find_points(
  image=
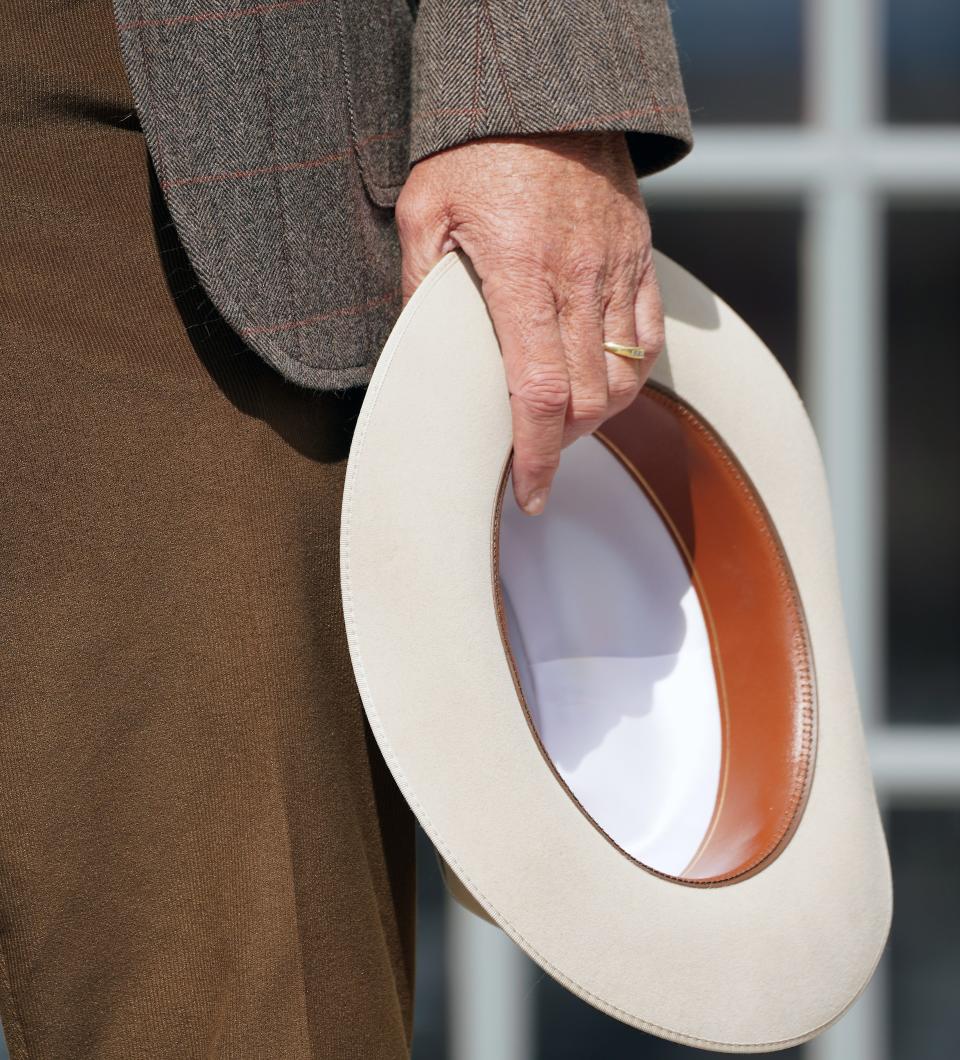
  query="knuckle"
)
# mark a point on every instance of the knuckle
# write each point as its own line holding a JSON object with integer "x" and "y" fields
{"x": 628, "y": 258}
{"x": 643, "y": 244}
{"x": 648, "y": 282}
{"x": 516, "y": 257}
{"x": 585, "y": 269}
{"x": 587, "y": 410}
{"x": 653, "y": 340}
{"x": 521, "y": 254}
{"x": 517, "y": 290}
{"x": 414, "y": 211}
{"x": 544, "y": 393}
{"x": 623, "y": 389}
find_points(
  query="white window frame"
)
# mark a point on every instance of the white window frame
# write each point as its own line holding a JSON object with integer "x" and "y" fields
{"x": 843, "y": 164}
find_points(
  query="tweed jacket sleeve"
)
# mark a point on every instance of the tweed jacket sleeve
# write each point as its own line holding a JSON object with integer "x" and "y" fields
{"x": 519, "y": 67}
{"x": 281, "y": 133}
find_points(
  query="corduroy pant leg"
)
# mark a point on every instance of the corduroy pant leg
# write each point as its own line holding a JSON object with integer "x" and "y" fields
{"x": 202, "y": 853}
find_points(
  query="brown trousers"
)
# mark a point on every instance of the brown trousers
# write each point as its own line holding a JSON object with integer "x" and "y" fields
{"x": 201, "y": 851}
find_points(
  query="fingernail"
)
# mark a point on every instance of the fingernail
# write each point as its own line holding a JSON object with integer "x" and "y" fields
{"x": 536, "y": 502}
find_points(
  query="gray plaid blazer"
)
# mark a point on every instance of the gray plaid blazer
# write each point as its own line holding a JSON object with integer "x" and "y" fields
{"x": 281, "y": 132}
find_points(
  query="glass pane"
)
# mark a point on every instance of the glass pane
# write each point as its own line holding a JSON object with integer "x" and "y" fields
{"x": 741, "y": 59}
{"x": 749, "y": 255}
{"x": 923, "y": 60}
{"x": 430, "y": 998}
{"x": 925, "y": 938}
{"x": 922, "y": 465}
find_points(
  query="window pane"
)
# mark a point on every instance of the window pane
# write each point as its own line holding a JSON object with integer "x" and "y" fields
{"x": 430, "y": 997}
{"x": 922, "y": 466}
{"x": 925, "y": 938}
{"x": 923, "y": 60}
{"x": 741, "y": 59}
{"x": 749, "y": 256}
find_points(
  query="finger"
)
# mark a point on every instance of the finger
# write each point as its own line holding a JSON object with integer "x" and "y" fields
{"x": 524, "y": 316}
{"x": 624, "y": 376}
{"x": 648, "y": 314}
{"x": 424, "y": 232}
{"x": 581, "y": 330}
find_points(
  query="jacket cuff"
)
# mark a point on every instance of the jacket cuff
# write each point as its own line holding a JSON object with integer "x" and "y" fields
{"x": 525, "y": 67}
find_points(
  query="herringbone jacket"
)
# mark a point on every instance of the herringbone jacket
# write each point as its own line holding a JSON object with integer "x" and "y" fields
{"x": 281, "y": 132}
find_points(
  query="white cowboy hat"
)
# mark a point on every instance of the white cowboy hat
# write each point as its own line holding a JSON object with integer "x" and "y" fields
{"x": 629, "y": 725}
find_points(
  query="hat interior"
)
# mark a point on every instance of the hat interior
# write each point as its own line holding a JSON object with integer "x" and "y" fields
{"x": 659, "y": 645}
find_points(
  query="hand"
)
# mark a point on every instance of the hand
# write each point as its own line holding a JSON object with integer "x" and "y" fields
{"x": 557, "y": 231}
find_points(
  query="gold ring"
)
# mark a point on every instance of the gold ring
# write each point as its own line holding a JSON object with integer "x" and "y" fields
{"x": 634, "y": 353}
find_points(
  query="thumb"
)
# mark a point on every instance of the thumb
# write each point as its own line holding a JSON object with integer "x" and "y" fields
{"x": 424, "y": 232}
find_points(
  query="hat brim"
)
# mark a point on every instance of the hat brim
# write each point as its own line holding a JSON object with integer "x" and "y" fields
{"x": 768, "y": 958}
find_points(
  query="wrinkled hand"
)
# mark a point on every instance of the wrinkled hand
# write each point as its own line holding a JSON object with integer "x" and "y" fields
{"x": 556, "y": 230}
